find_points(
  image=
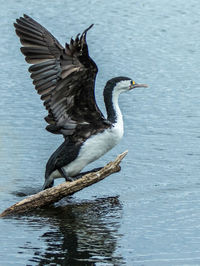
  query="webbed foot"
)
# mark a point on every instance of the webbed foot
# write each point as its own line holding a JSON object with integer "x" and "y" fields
{"x": 84, "y": 173}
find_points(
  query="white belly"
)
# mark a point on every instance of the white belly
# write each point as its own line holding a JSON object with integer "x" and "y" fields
{"x": 94, "y": 148}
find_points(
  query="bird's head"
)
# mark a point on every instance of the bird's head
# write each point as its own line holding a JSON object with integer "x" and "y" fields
{"x": 121, "y": 84}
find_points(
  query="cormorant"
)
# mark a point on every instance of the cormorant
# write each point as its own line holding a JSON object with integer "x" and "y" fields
{"x": 65, "y": 79}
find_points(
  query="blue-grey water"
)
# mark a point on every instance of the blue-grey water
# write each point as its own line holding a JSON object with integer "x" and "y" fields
{"x": 149, "y": 213}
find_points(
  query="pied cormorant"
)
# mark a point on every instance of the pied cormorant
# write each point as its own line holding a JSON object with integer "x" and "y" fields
{"x": 65, "y": 79}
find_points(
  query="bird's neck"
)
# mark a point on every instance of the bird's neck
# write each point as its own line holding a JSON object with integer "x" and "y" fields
{"x": 114, "y": 114}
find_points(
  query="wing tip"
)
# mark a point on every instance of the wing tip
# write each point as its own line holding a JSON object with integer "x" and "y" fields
{"x": 86, "y": 30}
{"x": 26, "y": 16}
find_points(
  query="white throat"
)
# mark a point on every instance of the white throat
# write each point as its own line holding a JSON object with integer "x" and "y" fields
{"x": 119, "y": 117}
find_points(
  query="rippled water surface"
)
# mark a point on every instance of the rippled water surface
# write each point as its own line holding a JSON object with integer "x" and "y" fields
{"x": 148, "y": 214}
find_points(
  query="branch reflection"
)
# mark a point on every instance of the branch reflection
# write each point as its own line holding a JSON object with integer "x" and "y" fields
{"x": 81, "y": 233}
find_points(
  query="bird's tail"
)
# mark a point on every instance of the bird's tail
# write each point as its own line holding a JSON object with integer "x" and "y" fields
{"x": 48, "y": 183}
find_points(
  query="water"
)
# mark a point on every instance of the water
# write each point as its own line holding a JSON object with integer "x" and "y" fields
{"x": 148, "y": 214}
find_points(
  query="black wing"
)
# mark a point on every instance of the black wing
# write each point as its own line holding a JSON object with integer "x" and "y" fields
{"x": 65, "y": 79}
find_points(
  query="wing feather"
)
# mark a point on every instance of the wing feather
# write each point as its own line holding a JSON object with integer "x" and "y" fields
{"x": 64, "y": 77}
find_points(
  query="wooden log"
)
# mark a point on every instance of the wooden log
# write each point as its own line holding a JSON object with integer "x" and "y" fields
{"x": 56, "y": 193}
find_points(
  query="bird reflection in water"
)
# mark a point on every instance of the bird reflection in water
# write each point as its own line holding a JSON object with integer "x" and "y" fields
{"x": 81, "y": 233}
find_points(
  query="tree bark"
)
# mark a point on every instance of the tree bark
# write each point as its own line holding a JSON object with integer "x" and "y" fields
{"x": 56, "y": 193}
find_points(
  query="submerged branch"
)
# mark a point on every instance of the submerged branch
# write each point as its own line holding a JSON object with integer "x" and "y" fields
{"x": 56, "y": 193}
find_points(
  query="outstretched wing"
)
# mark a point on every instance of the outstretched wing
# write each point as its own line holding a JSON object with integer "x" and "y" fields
{"x": 64, "y": 77}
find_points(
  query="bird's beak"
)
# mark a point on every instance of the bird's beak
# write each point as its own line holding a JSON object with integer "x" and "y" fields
{"x": 138, "y": 86}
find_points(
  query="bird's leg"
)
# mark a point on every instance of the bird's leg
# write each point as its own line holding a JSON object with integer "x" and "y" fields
{"x": 63, "y": 174}
{"x": 84, "y": 173}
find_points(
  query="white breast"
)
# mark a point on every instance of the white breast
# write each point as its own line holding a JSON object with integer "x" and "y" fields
{"x": 95, "y": 147}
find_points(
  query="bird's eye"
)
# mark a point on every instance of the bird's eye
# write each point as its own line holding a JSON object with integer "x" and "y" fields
{"x": 132, "y": 82}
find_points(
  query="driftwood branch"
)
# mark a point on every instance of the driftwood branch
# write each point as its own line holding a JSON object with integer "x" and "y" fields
{"x": 56, "y": 193}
